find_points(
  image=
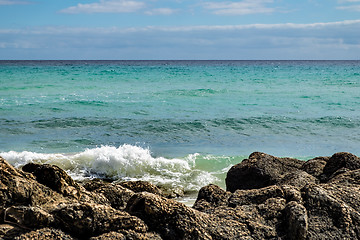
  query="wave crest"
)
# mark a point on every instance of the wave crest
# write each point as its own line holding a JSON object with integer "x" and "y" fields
{"x": 126, "y": 162}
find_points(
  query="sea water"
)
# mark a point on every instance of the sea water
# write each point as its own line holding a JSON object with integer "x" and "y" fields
{"x": 178, "y": 124}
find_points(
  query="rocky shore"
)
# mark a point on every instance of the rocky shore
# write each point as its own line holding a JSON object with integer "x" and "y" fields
{"x": 266, "y": 198}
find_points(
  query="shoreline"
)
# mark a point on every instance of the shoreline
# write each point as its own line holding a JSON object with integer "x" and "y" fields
{"x": 265, "y": 197}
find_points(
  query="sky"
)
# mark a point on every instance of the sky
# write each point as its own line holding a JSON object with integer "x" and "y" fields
{"x": 180, "y": 29}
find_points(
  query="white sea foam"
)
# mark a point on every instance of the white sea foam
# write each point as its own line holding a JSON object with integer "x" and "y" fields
{"x": 126, "y": 162}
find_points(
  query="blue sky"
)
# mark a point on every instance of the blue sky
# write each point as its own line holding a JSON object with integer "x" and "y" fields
{"x": 179, "y": 29}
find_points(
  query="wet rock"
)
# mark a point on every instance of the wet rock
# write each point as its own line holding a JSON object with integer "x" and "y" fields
{"x": 259, "y": 170}
{"x": 174, "y": 220}
{"x": 117, "y": 195}
{"x": 348, "y": 178}
{"x": 110, "y": 235}
{"x": 298, "y": 179}
{"x": 329, "y": 216}
{"x": 296, "y": 221}
{"x": 29, "y": 217}
{"x": 341, "y": 161}
{"x": 315, "y": 166}
{"x": 267, "y": 198}
{"x": 211, "y": 196}
{"x": 20, "y": 188}
{"x": 141, "y": 186}
{"x": 87, "y": 220}
{"x": 91, "y": 185}
{"x": 45, "y": 234}
{"x": 255, "y": 196}
{"x": 54, "y": 177}
{"x": 10, "y": 231}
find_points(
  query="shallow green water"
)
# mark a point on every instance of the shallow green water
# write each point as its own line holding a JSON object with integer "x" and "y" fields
{"x": 206, "y": 114}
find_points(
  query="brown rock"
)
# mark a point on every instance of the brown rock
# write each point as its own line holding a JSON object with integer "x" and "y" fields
{"x": 87, "y": 220}
{"x": 339, "y": 161}
{"x": 174, "y": 220}
{"x": 259, "y": 170}
{"x": 20, "y": 188}
{"x": 10, "y": 231}
{"x": 55, "y": 178}
{"x": 117, "y": 195}
{"x": 141, "y": 186}
{"x": 29, "y": 217}
{"x": 329, "y": 216}
{"x": 211, "y": 196}
{"x": 315, "y": 166}
{"x": 298, "y": 179}
{"x": 348, "y": 178}
{"x": 110, "y": 235}
{"x": 45, "y": 234}
{"x": 255, "y": 196}
{"x": 93, "y": 184}
{"x": 296, "y": 220}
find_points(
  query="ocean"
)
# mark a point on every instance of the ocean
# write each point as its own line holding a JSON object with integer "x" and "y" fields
{"x": 178, "y": 124}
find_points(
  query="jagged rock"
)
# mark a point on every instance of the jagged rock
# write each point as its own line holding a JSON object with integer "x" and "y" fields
{"x": 87, "y": 220}
{"x": 259, "y": 170}
{"x": 93, "y": 184}
{"x": 10, "y": 231}
{"x": 296, "y": 221}
{"x": 141, "y": 186}
{"x": 174, "y": 220}
{"x": 30, "y": 217}
{"x": 117, "y": 195}
{"x": 348, "y": 178}
{"x": 211, "y": 196}
{"x": 128, "y": 235}
{"x": 315, "y": 166}
{"x": 20, "y": 188}
{"x": 341, "y": 161}
{"x": 110, "y": 235}
{"x": 45, "y": 234}
{"x": 329, "y": 216}
{"x": 298, "y": 179}
{"x": 132, "y": 235}
{"x": 54, "y": 177}
{"x": 267, "y": 198}
{"x": 255, "y": 196}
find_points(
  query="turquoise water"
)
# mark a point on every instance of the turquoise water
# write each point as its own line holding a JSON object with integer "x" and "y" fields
{"x": 178, "y": 123}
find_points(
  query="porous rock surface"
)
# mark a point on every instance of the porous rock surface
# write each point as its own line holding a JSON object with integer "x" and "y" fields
{"x": 265, "y": 198}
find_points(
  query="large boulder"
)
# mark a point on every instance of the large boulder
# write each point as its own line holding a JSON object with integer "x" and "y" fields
{"x": 315, "y": 199}
{"x": 116, "y": 195}
{"x": 340, "y": 162}
{"x": 259, "y": 170}
{"x": 174, "y": 220}
{"x": 21, "y": 188}
{"x": 87, "y": 220}
{"x": 54, "y": 177}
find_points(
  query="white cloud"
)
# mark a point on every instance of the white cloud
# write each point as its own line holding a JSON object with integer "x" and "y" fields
{"x": 13, "y": 2}
{"x": 161, "y": 11}
{"x": 349, "y": 5}
{"x": 331, "y": 40}
{"x": 239, "y": 8}
{"x": 355, "y": 8}
{"x": 348, "y": 1}
{"x": 106, "y": 6}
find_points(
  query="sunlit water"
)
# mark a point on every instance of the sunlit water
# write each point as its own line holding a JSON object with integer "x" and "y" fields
{"x": 178, "y": 124}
